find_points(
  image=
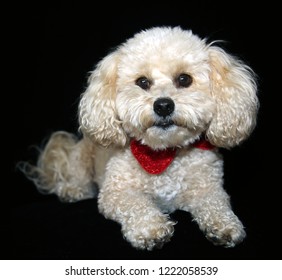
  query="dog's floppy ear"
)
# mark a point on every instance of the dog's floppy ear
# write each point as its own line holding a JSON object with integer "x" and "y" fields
{"x": 233, "y": 86}
{"x": 97, "y": 115}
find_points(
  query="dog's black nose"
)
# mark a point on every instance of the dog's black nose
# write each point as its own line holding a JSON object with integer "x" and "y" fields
{"x": 163, "y": 107}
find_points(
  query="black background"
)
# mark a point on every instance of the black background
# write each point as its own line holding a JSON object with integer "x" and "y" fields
{"x": 52, "y": 50}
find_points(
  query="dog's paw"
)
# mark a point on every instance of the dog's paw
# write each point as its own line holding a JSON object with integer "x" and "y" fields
{"x": 228, "y": 236}
{"x": 70, "y": 193}
{"x": 149, "y": 233}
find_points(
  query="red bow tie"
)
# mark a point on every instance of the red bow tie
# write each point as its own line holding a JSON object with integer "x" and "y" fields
{"x": 156, "y": 162}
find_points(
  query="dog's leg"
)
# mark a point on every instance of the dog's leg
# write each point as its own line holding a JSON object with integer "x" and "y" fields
{"x": 204, "y": 197}
{"x": 65, "y": 167}
{"x": 211, "y": 209}
{"x": 143, "y": 225}
{"x": 216, "y": 219}
{"x": 121, "y": 199}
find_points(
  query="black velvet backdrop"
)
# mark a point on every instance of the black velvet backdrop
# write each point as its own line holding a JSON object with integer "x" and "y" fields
{"x": 54, "y": 48}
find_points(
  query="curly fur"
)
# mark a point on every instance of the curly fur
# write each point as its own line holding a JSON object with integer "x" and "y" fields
{"x": 221, "y": 104}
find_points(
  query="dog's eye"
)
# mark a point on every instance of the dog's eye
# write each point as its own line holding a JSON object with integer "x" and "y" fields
{"x": 143, "y": 82}
{"x": 183, "y": 80}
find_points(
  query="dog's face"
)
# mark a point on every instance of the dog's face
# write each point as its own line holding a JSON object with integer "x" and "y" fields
{"x": 166, "y": 87}
{"x": 163, "y": 95}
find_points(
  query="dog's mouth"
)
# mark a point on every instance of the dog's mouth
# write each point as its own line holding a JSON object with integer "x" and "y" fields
{"x": 164, "y": 123}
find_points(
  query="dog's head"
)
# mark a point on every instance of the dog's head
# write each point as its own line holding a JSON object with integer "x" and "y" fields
{"x": 167, "y": 87}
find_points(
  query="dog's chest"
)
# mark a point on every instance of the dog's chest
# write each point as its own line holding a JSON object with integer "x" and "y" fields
{"x": 164, "y": 191}
{"x": 165, "y": 187}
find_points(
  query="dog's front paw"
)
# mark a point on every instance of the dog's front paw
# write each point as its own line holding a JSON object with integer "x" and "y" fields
{"x": 228, "y": 236}
{"x": 149, "y": 233}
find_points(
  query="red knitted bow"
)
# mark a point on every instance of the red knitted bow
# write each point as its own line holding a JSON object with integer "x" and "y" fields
{"x": 156, "y": 162}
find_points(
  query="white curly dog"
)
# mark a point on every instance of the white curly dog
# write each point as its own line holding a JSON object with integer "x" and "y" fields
{"x": 154, "y": 113}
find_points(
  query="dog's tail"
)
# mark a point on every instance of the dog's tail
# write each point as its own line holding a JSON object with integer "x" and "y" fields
{"x": 65, "y": 167}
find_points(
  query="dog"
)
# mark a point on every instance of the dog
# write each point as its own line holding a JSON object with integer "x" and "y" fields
{"x": 155, "y": 113}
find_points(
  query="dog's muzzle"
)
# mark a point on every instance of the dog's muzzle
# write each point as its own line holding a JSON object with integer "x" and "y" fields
{"x": 164, "y": 107}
